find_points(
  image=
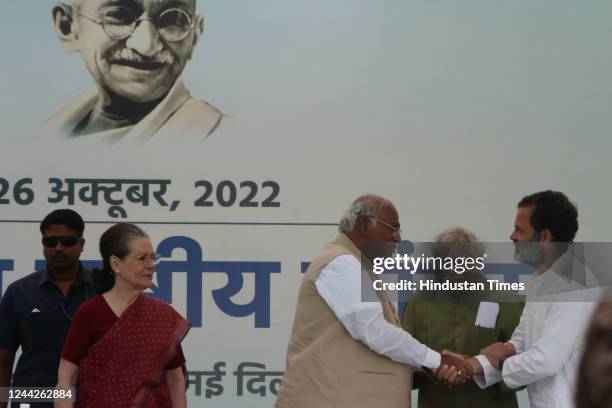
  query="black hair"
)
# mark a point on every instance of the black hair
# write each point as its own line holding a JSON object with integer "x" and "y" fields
{"x": 554, "y": 211}
{"x": 114, "y": 241}
{"x": 66, "y": 217}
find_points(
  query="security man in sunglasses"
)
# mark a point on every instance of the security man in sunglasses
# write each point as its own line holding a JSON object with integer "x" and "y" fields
{"x": 36, "y": 311}
{"x": 135, "y": 50}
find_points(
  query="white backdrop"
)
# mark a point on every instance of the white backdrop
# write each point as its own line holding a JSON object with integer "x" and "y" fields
{"x": 452, "y": 110}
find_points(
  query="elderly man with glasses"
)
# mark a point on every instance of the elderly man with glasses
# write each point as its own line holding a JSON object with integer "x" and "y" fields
{"x": 135, "y": 51}
{"x": 36, "y": 311}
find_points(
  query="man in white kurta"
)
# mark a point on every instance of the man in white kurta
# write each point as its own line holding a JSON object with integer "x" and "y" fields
{"x": 546, "y": 346}
{"x": 547, "y": 341}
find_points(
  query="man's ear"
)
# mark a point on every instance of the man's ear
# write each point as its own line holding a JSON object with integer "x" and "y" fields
{"x": 363, "y": 226}
{"x": 63, "y": 23}
{"x": 546, "y": 235}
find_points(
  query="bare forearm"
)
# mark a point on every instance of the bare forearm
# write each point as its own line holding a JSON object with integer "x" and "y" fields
{"x": 63, "y": 403}
{"x": 176, "y": 386}
{"x": 179, "y": 399}
{"x": 66, "y": 378}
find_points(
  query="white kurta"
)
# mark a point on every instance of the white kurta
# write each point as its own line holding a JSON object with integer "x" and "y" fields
{"x": 548, "y": 339}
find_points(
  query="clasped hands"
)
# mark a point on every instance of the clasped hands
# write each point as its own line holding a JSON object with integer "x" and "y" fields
{"x": 457, "y": 369}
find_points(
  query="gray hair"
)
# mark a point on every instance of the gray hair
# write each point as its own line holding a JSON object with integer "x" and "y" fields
{"x": 458, "y": 235}
{"x": 115, "y": 241}
{"x": 365, "y": 205}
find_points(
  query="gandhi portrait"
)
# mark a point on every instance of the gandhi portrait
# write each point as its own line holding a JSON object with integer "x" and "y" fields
{"x": 136, "y": 51}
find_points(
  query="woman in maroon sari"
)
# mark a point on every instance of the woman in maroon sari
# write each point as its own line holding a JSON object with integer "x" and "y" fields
{"x": 123, "y": 348}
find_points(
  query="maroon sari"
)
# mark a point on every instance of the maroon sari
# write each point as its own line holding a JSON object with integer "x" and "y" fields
{"x": 126, "y": 367}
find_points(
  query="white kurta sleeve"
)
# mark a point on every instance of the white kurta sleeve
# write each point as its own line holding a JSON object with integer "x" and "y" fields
{"x": 339, "y": 284}
{"x": 490, "y": 376}
{"x": 562, "y": 327}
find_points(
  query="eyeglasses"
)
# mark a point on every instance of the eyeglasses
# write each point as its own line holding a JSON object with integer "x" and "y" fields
{"x": 120, "y": 22}
{"x": 67, "y": 241}
{"x": 391, "y": 227}
{"x": 144, "y": 258}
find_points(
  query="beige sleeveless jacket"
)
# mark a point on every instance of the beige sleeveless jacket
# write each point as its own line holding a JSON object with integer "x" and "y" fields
{"x": 325, "y": 366}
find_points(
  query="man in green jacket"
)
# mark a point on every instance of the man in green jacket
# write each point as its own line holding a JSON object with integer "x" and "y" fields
{"x": 446, "y": 321}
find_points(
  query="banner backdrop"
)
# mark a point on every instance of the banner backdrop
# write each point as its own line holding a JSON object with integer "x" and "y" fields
{"x": 454, "y": 111}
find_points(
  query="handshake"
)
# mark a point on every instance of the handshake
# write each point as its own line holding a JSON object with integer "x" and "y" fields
{"x": 457, "y": 369}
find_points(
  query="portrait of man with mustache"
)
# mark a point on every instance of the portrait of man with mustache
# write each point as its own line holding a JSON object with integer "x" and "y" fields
{"x": 136, "y": 51}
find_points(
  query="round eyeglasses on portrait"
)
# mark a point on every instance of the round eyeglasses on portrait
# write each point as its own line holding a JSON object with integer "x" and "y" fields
{"x": 119, "y": 23}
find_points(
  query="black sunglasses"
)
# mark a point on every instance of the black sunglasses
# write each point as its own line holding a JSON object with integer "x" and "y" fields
{"x": 67, "y": 241}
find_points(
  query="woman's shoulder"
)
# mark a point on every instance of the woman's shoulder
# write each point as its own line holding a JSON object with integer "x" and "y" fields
{"x": 159, "y": 308}
{"x": 160, "y": 305}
